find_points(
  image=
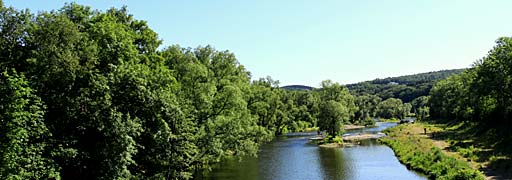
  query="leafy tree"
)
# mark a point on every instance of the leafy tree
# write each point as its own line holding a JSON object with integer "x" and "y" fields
{"x": 14, "y": 41}
{"x": 422, "y": 113}
{"x": 419, "y": 102}
{"x": 366, "y": 107}
{"x": 391, "y": 108}
{"x": 406, "y": 110}
{"x": 331, "y": 117}
{"x": 492, "y": 84}
{"x": 480, "y": 94}
{"x": 212, "y": 94}
{"x": 450, "y": 100}
{"x": 336, "y": 108}
{"x": 23, "y": 134}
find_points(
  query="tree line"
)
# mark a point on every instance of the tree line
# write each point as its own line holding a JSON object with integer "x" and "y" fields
{"x": 91, "y": 95}
{"x": 406, "y": 88}
{"x": 481, "y": 94}
{"x": 87, "y": 94}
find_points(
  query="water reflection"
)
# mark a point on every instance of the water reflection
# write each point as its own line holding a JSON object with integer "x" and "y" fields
{"x": 333, "y": 165}
{"x": 292, "y": 157}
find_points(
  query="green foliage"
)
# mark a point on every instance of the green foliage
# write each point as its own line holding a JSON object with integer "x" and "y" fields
{"x": 23, "y": 134}
{"x": 469, "y": 152}
{"x": 214, "y": 94}
{"x": 420, "y": 107}
{"x": 480, "y": 94}
{"x": 337, "y": 140}
{"x": 13, "y": 38}
{"x": 366, "y": 108}
{"x": 449, "y": 98}
{"x": 421, "y": 155}
{"x": 405, "y": 88}
{"x": 336, "y": 108}
{"x": 392, "y": 108}
{"x": 332, "y": 115}
{"x": 423, "y": 113}
{"x": 368, "y": 122}
{"x": 118, "y": 107}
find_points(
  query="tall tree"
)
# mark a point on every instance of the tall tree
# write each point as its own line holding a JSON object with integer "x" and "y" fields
{"x": 493, "y": 84}
{"x": 23, "y": 134}
{"x": 336, "y": 108}
{"x": 331, "y": 117}
{"x": 391, "y": 108}
{"x": 366, "y": 107}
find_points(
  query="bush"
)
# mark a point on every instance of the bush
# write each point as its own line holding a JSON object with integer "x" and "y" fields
{"x": 337, "y": 140}
{"x": 368, "y": 122}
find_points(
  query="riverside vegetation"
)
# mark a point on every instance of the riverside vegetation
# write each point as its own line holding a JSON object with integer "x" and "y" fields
{"x": 422, "y": 155}
{"x": 90, "y": 94}
{"x": 471, "y": 113}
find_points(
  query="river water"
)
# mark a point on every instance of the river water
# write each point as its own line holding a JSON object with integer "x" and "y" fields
{"x": 293, "y": 157}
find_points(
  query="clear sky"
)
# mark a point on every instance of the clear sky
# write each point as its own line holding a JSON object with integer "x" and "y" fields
{"x": 306, "y": 41}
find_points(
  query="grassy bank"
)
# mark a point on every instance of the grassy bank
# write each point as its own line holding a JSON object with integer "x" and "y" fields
{"x": 487, "y": 149}
{"x": 420, "y": 152}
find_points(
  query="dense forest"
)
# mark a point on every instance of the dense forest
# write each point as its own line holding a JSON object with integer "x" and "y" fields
{"x": 407, "y": 88}
{"x": 90, "y": 94}
{"x": 481, "y": 94}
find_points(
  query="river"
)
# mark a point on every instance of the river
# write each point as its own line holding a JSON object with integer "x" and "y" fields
{"x": 292, "y": 157}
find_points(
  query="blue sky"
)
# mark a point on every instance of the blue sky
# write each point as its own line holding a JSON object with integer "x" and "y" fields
{"x": 306, "y": 41}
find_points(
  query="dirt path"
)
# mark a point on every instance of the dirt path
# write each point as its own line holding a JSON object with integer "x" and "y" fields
{"x": 418, "y": 130}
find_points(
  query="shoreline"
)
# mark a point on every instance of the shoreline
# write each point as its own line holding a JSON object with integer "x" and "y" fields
{"x": 352, "y": 127}
{"x": 363, "y": 136}
{"x": 418, "y": 151}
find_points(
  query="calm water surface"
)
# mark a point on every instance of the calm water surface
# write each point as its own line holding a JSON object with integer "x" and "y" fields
{"x": 292, "y": 157}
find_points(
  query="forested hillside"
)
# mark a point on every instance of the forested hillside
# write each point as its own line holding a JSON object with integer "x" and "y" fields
{"x": 297, "y": 87}
{"x": 406, "y": 88}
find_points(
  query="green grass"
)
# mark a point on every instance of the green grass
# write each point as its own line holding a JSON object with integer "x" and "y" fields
{"x": 490, "y": 149}
{"x": 422, "y": 155}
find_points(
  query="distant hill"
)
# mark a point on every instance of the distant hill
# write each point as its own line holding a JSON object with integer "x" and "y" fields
{"x": 405, "y": 88}
{"x": 298, "y": 87}
{"x": 418, "y": 78}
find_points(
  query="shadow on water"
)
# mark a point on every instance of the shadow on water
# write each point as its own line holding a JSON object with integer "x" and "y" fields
{"x": 333, "y": 165}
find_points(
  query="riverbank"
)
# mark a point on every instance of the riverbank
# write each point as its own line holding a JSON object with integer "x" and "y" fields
{"x": 352, "y": 127}
{"x": 426, "y": 153}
